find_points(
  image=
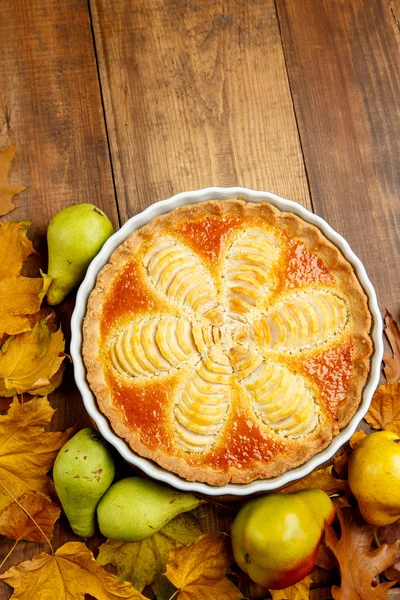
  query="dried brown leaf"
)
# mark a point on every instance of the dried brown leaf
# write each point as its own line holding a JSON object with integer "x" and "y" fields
{"x": 384, "y": 412}
{"x": 357, "y": 563}
{"x": 17, "y": 525}
{"x": 392, "y": 363}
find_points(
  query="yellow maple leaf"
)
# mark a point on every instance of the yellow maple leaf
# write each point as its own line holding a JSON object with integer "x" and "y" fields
{"x": 356, "y": 438}
{"x": 7, "y": 191}
{"x": 141, "y": 562}
{"x": 31, "y": 359}
{"x": 17, "y": 525}
{"x": 198, "y": 570}
{"x": 322, "y": 479}
{"x": 27, "y": 452}
{"x": 15, "y": 247}
{"x": 299, "y": 591}
{"x": 20, "y": 296}
{"x": 70, "y": 573}
{"x": 384, "y": 412}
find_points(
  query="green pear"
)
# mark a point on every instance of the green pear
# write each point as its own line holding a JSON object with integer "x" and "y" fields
{"x": 74, "y": 236}
{"x": 133, "y": 509}
{"x": 83, "y": 471}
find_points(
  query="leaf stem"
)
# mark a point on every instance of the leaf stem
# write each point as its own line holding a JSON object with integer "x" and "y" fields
{"x": 377, "y": 542}
{"x": 174, "y": 594}
{"x": 30, "y": 516}
{"x": 9, "y": 553}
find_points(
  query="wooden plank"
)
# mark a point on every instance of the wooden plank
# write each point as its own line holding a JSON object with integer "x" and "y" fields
{"x": 196, "y": 94}
{"x": 50, "y": 107}
{"x": 343, "y": 63}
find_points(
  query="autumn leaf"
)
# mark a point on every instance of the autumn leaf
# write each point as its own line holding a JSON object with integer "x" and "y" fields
{"x": 20, "y": 296}
{"x": 392, "y": 363}
{"x": 357, "y": 563}
{"x": 325, "y": 558}
{"x": 387, "y": 535}
{"x": 198, "y": 570}
{"x": 356, "y": 438}
{"x": 322, "y": 479}
{"x": 27, "y": 452}
{"x": 29, "y": 363}
{"x": 7, "y": 191}
{"x": 70, "y": 573}
{"x": 384, "y": 412}
{"x": 15, "y": 247}
{"x": 341, "y": 463}
{"x": 141, "y": 562}
{"x": 17, "y": 525}
{"x": 299, "y": 591}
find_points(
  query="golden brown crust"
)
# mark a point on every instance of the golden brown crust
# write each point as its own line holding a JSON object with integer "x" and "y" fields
{"x": 295, "y": 452}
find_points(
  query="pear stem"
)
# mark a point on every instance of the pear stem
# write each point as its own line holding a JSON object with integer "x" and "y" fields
{"x": 30, "y": 516}
{"x": 9, "y": 553}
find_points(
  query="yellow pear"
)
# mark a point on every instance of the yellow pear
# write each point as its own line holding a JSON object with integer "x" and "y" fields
{"x": 374, "y": 477}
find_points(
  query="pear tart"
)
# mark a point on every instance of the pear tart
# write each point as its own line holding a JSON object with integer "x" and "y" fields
{"x": 227, "y": 341}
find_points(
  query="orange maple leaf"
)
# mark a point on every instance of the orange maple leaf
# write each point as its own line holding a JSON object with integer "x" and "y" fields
{"x": 70, "y": 573}
{"x": 298, "y": 591}
{"x": 17, "y": 524}
{"x": 20, "y": 296}
{"x": 322, "y": 479}
{"x": 198, "y": 570}
{"x": 27, "y": 452}
{"x": 392, "y": 363}
{"x": 7, "y": 191}
{"x": 357, "y": 563}
{"x": 384, "y": 412}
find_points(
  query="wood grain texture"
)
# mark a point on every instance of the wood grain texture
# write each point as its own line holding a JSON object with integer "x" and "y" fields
{"x": 50, "y": 107}
{"x": 196, "y": 94}
{"x": 343, "y": 61}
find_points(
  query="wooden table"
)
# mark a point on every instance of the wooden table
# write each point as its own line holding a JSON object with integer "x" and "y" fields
{"x": 124, "y": 102}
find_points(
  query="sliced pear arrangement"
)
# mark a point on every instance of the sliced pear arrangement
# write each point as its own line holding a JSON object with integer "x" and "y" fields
{"x": 74, "y": 236}
{"x": 133, "y": 509}
{"x": 83, "y": 471}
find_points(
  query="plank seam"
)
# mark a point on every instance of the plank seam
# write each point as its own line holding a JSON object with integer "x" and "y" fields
{"x": 104, "y": 111}
{"x": 294, "y": 109}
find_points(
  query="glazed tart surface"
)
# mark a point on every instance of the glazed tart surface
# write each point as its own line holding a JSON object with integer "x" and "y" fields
{"x": 227, "y": 341}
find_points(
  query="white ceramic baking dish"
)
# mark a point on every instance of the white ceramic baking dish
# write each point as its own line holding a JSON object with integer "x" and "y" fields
{"x": 164, "y": 206}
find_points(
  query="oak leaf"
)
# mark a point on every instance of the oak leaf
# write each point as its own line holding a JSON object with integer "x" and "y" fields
{"x": 17, "y": 525}
{"x": 20, "y": 296}
{"x": 198, "y": 570}
{"x": 299, "y": 591}
{"x": 357, "y": 563}
{"x": 322, "y": 479}
{"x": 27, "y": 452}
{"x": 7, "y": 191}
{"x": 31, "y": 360}
{"x": 70, "y": 573}
{"x": 142, "y": 562}
{"x": 384, "y": 412}
{"x": 325, "y": 557}
{"x": 387, "y": 535}
{"x": 392, "y": 363}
